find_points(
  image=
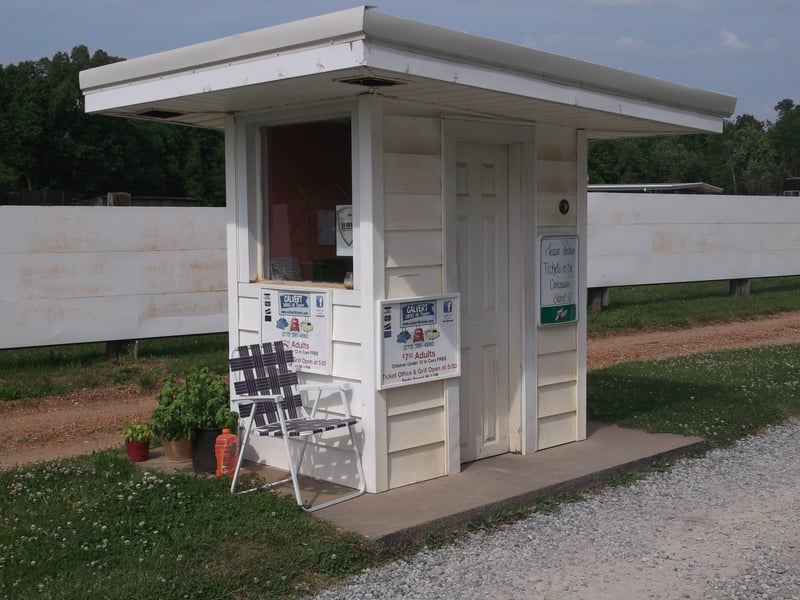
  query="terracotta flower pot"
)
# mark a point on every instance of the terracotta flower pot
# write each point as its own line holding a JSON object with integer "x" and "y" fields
{"x": 138, "y": 451}
{"x": 177, "y": 450}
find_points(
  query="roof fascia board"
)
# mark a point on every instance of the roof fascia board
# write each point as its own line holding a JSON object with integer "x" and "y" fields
{"x": 227, "y": 76}
{"x": 324, "y": 30}
{"x": 482, "y": 76}
{"x": 476, "y": 49}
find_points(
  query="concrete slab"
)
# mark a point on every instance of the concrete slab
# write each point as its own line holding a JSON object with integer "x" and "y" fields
{"x": 504, "y": 482}
{"x": 483, "y": 488}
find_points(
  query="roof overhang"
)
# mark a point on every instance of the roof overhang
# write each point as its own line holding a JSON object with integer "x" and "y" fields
{"x": 315, "y": 60}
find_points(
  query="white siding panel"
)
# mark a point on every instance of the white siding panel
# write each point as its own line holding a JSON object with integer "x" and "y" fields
{"x": 412, "y": 135}
{"x": 412, "y": 430}
{"x": 411, "y": 398}
{"x": 347, "y": 324}
{"x": 250, "y": 314}
{"x": 557, "y": 368}
{"x": 557, "y": 430}
{"x": 410, "y": 211}
{"x": 561, "y": 338}
{"x": 247, "y": 338}
{"x": 416, "y": 464}
{"x": 413, "y": 248}
{"x": 556, "y": 143}
{"x": 346, "y": 361}
{"x": 556, "y": 177}
{"x": 547, "y": 212}
{"x": 405, "y": 282}
{"x": 412, "y": 174}
{"x": 558, "y": 399}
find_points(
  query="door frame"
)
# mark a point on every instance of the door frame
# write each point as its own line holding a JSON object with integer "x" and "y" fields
{"x": 522, "y": 217}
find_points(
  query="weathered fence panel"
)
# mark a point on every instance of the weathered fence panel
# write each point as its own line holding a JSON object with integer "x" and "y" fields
{"x": 93, "y": 274}
{"x": 638, "y": 239}
{"x": 87, "y": 274}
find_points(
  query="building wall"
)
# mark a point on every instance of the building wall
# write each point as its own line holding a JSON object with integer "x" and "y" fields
{"x": 413, "y": 259}
{"x": 557, "y": 347}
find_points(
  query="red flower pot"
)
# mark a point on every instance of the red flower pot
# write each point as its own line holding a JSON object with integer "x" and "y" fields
{"x": 138, "y": 451}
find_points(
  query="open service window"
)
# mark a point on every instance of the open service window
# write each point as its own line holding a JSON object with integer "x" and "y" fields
{"x": 308, "y": 188}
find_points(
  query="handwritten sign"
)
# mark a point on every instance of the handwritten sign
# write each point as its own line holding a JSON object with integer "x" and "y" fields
{"x": 558, "y": 280}
{"x": 418, "y": 340}
{"x": 301, "y": 320}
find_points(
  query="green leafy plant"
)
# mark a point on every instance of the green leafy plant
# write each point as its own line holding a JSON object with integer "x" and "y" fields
{"x": 137, "y": 431}
{"x": 172, "y": 417}
{"x": 202, "y": 400}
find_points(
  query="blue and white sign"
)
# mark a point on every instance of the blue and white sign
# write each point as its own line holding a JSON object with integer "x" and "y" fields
{"x": 419, "y": 340}
{"x": 301, "y": 320}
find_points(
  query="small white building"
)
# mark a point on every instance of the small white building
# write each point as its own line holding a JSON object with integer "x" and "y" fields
{"x": 442, "y": 170}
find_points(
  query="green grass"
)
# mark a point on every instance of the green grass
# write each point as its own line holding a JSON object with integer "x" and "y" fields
{"x": 719, "y": 396}
{"x": 100, "y": 527}
{"x": 682, "y": 305}
{"x": 37, "y": 372}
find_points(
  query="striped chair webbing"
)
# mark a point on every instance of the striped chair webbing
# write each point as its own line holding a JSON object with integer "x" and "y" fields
{"x": 265, "y": 369}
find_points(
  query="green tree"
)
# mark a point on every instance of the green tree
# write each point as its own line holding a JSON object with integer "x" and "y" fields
{"x": 49, "y": 142}
{"x": 785, "y": 137}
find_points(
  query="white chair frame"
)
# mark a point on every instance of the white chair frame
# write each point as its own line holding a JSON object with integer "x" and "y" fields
{"x": 280, "y": 411}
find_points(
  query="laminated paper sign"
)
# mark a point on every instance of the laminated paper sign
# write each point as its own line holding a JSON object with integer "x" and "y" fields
{"x": 558, "y": 280}
{"x": 419, "y": 340}
{"x": 301, "y": 320}
{"x": 344, "y": 230}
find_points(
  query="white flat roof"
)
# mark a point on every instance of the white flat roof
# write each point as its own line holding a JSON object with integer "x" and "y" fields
{"x": 305, "y": 61}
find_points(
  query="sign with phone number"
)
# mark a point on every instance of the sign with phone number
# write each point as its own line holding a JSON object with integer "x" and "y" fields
{"x": 419, "y": 340}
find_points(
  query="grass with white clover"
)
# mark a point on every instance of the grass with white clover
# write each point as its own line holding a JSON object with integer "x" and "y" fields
{"x": 99, "y": 527}
{"x": 720, "y": 396}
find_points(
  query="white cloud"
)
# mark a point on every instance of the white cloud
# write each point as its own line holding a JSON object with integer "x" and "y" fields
{"x": 731, "y": 41}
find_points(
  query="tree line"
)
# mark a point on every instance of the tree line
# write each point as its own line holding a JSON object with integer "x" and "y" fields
{"x": 50, "y": 143}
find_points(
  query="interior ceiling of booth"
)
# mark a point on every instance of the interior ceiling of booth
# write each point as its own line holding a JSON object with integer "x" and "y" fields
{"x": 433, "y": 66}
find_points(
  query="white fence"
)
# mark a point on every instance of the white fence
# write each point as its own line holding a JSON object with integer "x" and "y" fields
{"x": 93, "y": 274}
{"x": 637, "y": 239}
{"x": 89, "y": 274}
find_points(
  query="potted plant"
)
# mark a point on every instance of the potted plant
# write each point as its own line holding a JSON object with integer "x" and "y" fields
{"x": 199, "y": 408}
{"x": 172, "y": 420}
{"x": 137, "y": 435}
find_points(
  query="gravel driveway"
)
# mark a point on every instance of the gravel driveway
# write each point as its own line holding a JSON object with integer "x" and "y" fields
{"x": 725, "y": 526}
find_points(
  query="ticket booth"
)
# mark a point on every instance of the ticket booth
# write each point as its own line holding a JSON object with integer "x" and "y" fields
{"x": 407, "y": 208}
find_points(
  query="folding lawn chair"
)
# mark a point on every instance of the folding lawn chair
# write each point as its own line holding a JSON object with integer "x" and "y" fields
{"x": 269, "y": 401}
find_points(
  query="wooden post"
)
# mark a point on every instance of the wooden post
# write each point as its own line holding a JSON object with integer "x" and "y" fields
{"x": 598, "y": 298}
{"x": 739, "y": 288}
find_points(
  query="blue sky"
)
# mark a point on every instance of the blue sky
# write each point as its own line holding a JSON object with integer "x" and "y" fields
{"x": 746, "y": 48}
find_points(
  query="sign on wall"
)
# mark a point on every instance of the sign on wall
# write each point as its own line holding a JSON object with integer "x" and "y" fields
{"x": 558, "y": 281}
{"x": 419, "y": 340}
{"x": 344, "y": 230}
{"x": 301, "y": 319}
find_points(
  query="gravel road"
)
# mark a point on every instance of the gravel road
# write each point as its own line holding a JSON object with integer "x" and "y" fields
{"x": 724, "y": 526}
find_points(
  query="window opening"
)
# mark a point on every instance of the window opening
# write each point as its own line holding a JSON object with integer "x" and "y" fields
{"x": 309, "y": 201}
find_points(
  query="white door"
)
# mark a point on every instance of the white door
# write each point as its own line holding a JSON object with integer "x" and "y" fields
{"x": 482, "y": 190}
